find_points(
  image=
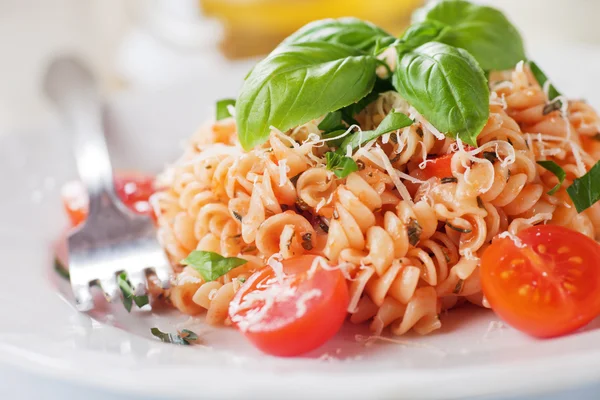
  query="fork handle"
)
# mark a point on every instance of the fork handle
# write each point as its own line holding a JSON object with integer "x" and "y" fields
{"x": 72, "y": 87}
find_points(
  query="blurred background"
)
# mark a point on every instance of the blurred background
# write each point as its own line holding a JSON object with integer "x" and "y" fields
{"x": 148, "y": 45}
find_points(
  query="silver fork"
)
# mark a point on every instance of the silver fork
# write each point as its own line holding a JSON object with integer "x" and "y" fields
{"x": 113, "y": 239}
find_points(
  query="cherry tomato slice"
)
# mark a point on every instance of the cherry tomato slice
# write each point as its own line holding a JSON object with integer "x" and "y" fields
{"x": 438, "y": 167}
{"x": 547, "y": 287}
{"x": 133, "y": 189}
{"x": 294, "y": 313}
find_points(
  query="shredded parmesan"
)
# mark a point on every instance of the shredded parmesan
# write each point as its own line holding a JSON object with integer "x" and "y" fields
{"x": 414, "y": 114}
{"x": 514, "y": 238}
{"x": 283, "y": 170}
{"x": 394, "y": 174}
{"x": 304, "y": 297}
{"x": 275, "y": 263}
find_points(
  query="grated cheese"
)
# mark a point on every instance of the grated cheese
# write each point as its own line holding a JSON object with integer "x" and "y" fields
{"x": 283, "y": 170}
{"x": 275, "y": 263}
{"x": 414, "y": 114}
{"x": 304, "y": 297}
{"x": 394, "y": 174}
{"x": 514, "y": 238}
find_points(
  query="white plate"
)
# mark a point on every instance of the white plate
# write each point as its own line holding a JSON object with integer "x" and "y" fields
{"x": 41, "y": 331}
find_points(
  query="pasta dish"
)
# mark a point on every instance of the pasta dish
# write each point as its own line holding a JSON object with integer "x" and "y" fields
{"x": 383, "y": 180}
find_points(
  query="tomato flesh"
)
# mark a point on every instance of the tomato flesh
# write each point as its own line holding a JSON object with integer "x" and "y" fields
{"x": 547, "y": 287}
{"x": 294, "y": 313}
{"x": 439, "y": 167}
{"x": 134, "y": 190}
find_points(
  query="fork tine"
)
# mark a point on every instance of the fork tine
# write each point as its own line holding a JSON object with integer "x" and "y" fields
{"x": 164, "y": 276}
{"x": 110, "y": 288}
{"x": 83, "y": 297}
{"x": 138, "y": 282}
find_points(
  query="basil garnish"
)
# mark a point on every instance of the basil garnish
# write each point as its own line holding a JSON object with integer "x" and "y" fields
{"x": 447, "y": 87}
{"x": 61, "y": 270}
{"x": 585, "y": 191}
{"x": 482, "y": 31}
{"x": 222, "y": 108}
{"x": 211, "y": 266}
{"x": 541, "y": 78}
{"x": 353, "y": 32}
{"x": 300, "y": 82}
{"x": 341, "y": 166}
{"x": 392, "y": 122}
{"x": 129, "y": 296}
{"x": 557, "y": 171}
{"x": 184, "y": 337}
{"x": 332, "y": 122}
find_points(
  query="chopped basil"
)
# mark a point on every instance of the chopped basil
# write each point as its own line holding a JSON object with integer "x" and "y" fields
{"x": 458, "y": 229}
{"x": 237, "y": 215}
{"x": 211, "y": 265}
{"x": 557, "y": 171}
{"x": 480, "y": 202}
{"x": 585, "y": 191}
{"x": 184, "y": 337}
{"x": 334, "y": 134}
{"x": 450, "y": 179}
{"x": 414, "y": 231}
{"x": 551, "y": 107}
{"x": 541, "y": 78}
{"x": 392, "y": 122}
{"x": 490, "y": 156}
{"x": 307, "y": 241}
{"x": 323, "y": 225}
{"x": 332, "y": 122}
{"x": 61, "y": 269}
{"x": 223, "y": 109}
{"x": 341, "y": 166}
{"x": 458, "y": 287}
{"x": 242, "y": 280}
{"x": 129, "y": 296}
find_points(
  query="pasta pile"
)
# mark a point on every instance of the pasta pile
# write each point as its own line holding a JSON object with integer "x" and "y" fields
{"x": 410, "y": 247}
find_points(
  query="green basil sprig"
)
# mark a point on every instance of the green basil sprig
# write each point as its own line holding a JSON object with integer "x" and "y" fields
{"x": 557, "y": 171}
{"x": 341, "y": 166}
{"x": 210, "y": 265}
{"x": 541, "y": 78}
{"x": 184, "y": 337}
{"x": 392, "y": 122}
{"x": 353, "y": 32}
{"x": 585, "y": 191}
{"x": 222, "y": 110}
{"x": 300, "y": 82}
{"x": 482, "y": 31}
{"x": 129, "y": 296}
{"x": 447, "y": 86}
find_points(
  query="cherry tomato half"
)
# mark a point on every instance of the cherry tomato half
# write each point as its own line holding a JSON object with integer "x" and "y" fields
{"x": 294, "y": 313}
{"x": 438, "y": 167}
{"x": 134, "y": 190}
{"x": 547, "y": 287}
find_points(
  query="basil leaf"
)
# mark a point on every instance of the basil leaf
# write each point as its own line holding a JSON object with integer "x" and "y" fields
{"x": 300, "y": 82}
{"x": 129, "y": 296}
{"x": 557, "y": 171}
{"x": 332, "y": 122}
{"x": 332, "y": 134}
{"x": 447, "y": 87}
{"x": 341, "y": 166}
{"x": 585, "y": 191}
{"x": 392, "y": 122}
{"x": 182, "y": 338}
{"x": 61, "y": 269}
{"x": 222, "y": 109}
{"x": 482, "y": 31}
{"x": 422, "y": 32}
{"x": 541, "y": 78}
{"x": 348, "y": 112}
{"x": 211, "y": 265}
{"x": 353, "y": 32}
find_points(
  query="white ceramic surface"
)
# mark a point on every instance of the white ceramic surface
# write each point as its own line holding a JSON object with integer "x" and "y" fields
{"x": 42, "y": 332}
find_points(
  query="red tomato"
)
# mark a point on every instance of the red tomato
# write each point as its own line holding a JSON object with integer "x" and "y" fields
{"x": 294, "y": 315}
{"x": 548, "y": 287}
{"x": 439, "y": 167}
{"x": 133, "y": 190}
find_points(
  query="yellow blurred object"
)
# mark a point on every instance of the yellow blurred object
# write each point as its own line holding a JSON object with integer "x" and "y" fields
{"x": 254, "y": 27}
